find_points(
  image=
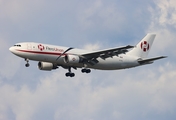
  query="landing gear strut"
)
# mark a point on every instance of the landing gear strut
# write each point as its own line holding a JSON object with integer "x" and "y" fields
{"x": 27, "y": 62}
{"x": 69, "y": 73}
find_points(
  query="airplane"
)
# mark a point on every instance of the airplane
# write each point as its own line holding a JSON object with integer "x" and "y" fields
{"x": 51, "y": 57}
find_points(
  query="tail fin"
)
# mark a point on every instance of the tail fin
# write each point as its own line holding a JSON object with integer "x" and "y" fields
{"x": 143, "y": 47}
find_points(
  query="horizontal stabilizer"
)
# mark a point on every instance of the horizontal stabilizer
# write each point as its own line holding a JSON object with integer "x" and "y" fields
{"x": 150, "y": 60}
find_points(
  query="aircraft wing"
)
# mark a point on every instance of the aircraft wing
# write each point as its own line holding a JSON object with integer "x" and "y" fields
{"x": 92, "y": 56}
{"x": 150, "y": 60}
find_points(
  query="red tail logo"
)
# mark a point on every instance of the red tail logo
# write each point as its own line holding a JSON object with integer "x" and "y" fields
{"x": 41, "y": 47}
{"x": 145, "y": 46}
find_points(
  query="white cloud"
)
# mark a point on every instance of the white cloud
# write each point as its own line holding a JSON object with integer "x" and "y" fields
{"x": 78, "y": 98}
{"x": 92, "y": 46}
{"x": 163, "y": 23}
{"x": 101, "y": 14}
{"x": 167, "y": 12}
{"x": 164, "y": 88}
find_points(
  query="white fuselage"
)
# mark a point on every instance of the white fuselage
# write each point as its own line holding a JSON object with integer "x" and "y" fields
{"x": 50, "y": 53}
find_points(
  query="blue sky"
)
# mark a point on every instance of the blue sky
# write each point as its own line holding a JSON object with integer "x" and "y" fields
{"x": 146, "y": 92}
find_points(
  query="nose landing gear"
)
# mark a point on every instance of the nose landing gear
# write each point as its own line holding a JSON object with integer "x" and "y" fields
{"x": 27, "y": 62}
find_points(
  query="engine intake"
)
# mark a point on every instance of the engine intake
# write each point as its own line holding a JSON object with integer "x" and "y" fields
{"x": 72, "y": 59}
{"x": 46, "y": 66}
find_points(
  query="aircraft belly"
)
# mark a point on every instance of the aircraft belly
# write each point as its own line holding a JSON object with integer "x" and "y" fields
{"x": 115, "y": 63}
{"x": 109, "y": 64}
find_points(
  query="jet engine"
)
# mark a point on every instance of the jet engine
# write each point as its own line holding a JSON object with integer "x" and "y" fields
{"x": 46, "y": 66}
{"x": 72, "y": 59}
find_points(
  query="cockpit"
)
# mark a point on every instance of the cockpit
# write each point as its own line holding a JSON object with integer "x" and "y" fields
{"x": 17, "y": 45}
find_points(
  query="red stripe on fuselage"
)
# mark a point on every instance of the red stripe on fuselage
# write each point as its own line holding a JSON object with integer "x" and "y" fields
{"x": 37, "y": 52}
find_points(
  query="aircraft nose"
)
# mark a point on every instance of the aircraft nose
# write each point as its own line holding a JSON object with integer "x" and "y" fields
{"x": 11, "y": 49}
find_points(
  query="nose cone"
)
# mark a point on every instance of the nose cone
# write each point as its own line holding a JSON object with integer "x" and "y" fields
{"x": 11, "y": 49}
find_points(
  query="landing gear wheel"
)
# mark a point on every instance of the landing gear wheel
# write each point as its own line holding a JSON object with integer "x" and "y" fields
{"x": 27, "y": 65}
{"x": 72, "y": 74}
{"x": 69, "y": 74}
{"x": 85, "y": 70}
{"x": 88, "y": 71}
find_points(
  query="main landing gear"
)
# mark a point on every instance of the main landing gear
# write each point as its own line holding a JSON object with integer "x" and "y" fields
{"x": 85, "y": 70}
{"x": 69, "y": 73}
{"x": 27, "y": 62}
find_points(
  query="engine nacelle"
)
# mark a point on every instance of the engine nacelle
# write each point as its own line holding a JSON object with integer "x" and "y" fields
{"x": 46, "y": 66}
{"x": 72, "y": 59}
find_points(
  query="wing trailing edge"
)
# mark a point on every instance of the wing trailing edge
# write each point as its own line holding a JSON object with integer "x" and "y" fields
{"x": 108, "y": 52}
{"x": 91, "y": 57}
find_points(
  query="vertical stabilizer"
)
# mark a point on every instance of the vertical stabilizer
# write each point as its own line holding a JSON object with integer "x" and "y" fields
{"x": 143, "y": 47}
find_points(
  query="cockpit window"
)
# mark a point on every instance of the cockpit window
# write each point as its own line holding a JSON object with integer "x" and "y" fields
{"x": 17, "y": 45}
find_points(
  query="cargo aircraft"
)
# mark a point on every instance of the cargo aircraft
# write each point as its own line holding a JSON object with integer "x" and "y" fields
{"x": 50, "y": 57}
